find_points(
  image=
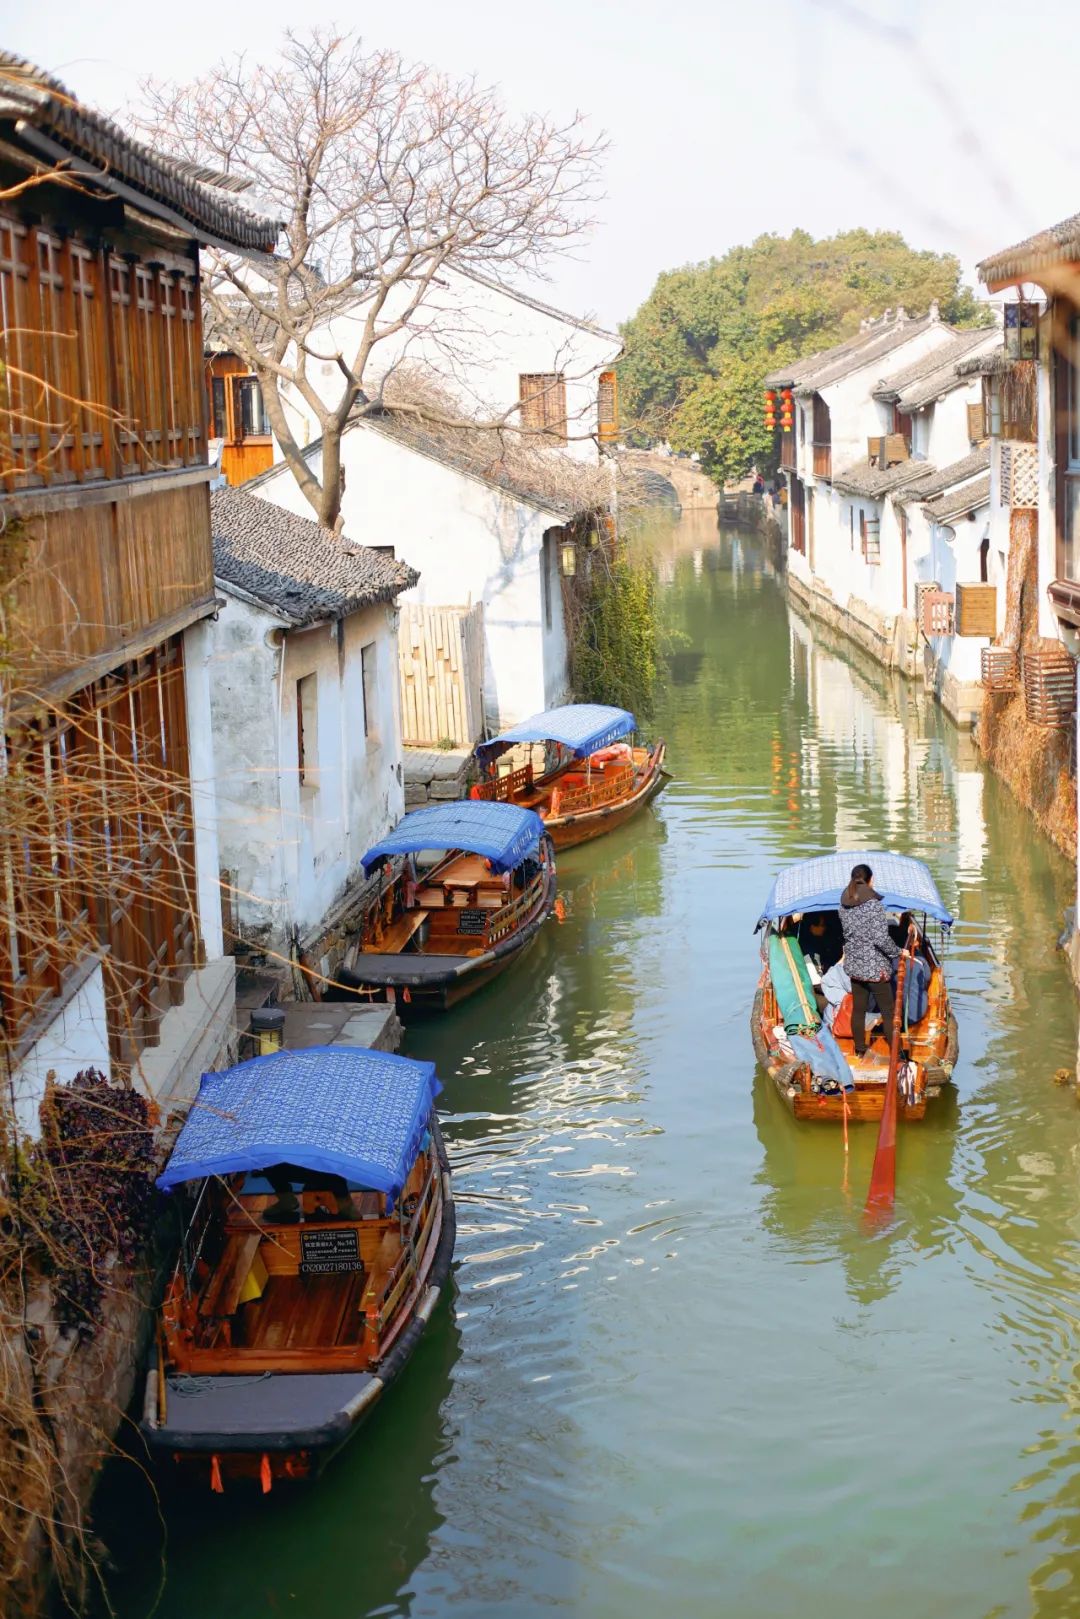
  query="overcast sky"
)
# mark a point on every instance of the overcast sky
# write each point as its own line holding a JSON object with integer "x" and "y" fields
{"x": 950, "y": 121}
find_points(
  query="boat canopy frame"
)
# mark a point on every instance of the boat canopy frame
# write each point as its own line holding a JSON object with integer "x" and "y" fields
{"x": 339, "y": 1110}
{"x": 581, "y": 728}
{"x": 904, "y": 884}
{"x": 504, "y": 834}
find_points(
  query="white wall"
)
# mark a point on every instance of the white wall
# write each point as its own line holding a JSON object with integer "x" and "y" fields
{"x": 291, "y": 850}
{"x": 954, "y": 559}
{"x": 469, "y": 542}
{"x": 479, "y": 339}
{"x": 77, "y": 1038}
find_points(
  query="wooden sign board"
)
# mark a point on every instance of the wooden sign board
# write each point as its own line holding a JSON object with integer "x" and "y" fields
{"x": 324, "y": 1252}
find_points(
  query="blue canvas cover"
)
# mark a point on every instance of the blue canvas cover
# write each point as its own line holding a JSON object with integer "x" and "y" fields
{"x": 823, "y": 1057}
{"x": 502, "y": 833}
{"x": 904, "y": 884}
{"x": 581, "y": 727}
{"x": 338, "y": 1110}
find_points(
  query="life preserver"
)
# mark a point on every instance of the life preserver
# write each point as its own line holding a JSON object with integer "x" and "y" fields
{"x": 618, "y": 750}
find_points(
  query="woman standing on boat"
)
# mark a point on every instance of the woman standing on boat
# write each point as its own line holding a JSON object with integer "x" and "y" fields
{"x": 869, "y": 952}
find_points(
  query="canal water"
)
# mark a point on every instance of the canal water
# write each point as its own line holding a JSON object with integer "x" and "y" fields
{"x": 678, "y": 1377}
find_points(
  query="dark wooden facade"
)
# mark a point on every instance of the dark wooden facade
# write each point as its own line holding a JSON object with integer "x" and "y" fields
{"x": 107, "y": 559}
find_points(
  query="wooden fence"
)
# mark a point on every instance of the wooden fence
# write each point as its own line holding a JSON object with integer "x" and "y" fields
{"x": 441, "y": 666}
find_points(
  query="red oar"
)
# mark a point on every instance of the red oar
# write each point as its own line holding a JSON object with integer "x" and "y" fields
{"x": 882, "y": 1193}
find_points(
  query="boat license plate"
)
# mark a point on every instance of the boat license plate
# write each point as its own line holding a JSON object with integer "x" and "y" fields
{"x": 324, "y": 1251}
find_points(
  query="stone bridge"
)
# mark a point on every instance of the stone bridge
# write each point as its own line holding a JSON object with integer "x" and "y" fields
{"x": 695, "y": 491}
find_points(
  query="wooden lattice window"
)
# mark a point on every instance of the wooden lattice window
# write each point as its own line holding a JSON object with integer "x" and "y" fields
{"x": 97, "y": 850}
{"x": 938, "y": 612}
{"x": 543, "y": 404}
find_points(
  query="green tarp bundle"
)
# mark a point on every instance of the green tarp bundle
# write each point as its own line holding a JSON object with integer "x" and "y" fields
{"x": 791, "y": 983}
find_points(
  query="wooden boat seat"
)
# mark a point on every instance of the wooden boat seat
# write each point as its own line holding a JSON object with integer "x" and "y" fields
{"x": 431, "y": 898}
{"x": 222, "y": 1295}
{"x": 397, "y": 936}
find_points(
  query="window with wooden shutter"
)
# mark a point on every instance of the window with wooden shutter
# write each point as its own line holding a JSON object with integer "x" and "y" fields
{"x": 937, "y": 612}
{"x": 607, "y": 407}
{"x": 976, "y": 415}
{"x": 543, "y": 404}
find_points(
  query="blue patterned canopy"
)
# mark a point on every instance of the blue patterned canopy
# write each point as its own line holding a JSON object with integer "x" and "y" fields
{"x": 816, "y": 885}
{"x": 581, "y": 727}
{"x": 340, "y": 1110}
{"x": 503, "y": 833}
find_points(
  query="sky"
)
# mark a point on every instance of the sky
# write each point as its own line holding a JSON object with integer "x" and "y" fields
{"x": 951, "y": 122}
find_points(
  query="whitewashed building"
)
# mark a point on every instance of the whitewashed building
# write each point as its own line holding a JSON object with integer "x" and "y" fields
{"x": 476, "y": 530}
{"x": 304, "y": 696}
{"x": 887, "y": 436}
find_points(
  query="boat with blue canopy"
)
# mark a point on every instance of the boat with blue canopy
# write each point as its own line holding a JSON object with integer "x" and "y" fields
{"x": 802, "y": 1018}
{"x": 318, "y": 1231}
{"x": 462, "y": 890}
{"x": 592, "y": 778}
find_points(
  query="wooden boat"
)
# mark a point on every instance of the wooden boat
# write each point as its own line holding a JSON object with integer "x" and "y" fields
{"x": 803, "y": 897}
{"x": 319, "y": 1230}
{"x": 595, "y": 780}
{"x": 438, "y": 932}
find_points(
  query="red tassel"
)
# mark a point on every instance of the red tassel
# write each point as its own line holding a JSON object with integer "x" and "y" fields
{"x": 264, "y": 1475}
{"x": 215, "y": 1476}
{"x": 406, "y": 994}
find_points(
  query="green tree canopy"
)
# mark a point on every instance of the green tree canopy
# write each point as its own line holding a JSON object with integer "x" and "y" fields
{"x": 699, "y": 346}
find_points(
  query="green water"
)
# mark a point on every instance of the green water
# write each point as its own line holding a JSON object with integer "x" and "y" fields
{"x": 677, "y": 1377}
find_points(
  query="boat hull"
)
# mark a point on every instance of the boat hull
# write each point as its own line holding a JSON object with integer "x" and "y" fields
{"x": 417, "y": 983}
{"x": 567, "y": 831}
{"x": 866, "y": 1103}
{"x": 284, "y": 1426}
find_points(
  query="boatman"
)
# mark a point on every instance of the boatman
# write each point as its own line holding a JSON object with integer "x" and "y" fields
{"x": 869, "y": 953}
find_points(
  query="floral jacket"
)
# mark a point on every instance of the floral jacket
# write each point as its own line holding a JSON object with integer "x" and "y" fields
{"x": 869, "y": 951}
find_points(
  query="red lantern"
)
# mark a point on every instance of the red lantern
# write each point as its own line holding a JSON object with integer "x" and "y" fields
{"x": 770, "y": 397}
{"x": 786, "y": 396}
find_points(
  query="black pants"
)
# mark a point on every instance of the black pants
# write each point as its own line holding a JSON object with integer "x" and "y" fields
{"x": 861, "y": 992}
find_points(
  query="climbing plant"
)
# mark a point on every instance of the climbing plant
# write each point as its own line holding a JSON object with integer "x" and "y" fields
{"x": 613, "y": 632}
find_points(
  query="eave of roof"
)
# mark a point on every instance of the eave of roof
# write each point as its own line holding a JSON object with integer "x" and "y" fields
{"x": 56, "y": 127}
{"x": 300, "y": 573}
{"x": 939, "y": 479}
{"x": 935, "y": 374}
{"x": 1057, "y": 245}
{"x": 958, "y": 502}
{"x": 865, "y": 479}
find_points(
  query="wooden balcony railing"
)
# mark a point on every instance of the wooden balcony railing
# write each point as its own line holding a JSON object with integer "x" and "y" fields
{"x": 822, "y": 460}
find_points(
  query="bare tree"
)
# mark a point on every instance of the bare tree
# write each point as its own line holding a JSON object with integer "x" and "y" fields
{"x": 383, "y": 175}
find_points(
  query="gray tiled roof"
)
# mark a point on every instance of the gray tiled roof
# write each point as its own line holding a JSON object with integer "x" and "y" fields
{"x": 926, "y": 379}
{"x": 958, "y": 502}
{"x": 1059, "y": 244}
{"x": 939, "y": 479}
{"x": 874, "y": 342}
{"x": 77, "y": 132}
{"x": 298, "y": 570}
{"x": 863, "y": 478}
{"x": 991, "y": 363}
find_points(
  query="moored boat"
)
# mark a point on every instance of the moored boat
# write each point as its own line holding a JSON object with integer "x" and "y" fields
{"x": 802, "y": 1031}
{"x": 466, "y": 888}
{"x": 594, "y": 779}
{"x": 318, "y": 1234}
